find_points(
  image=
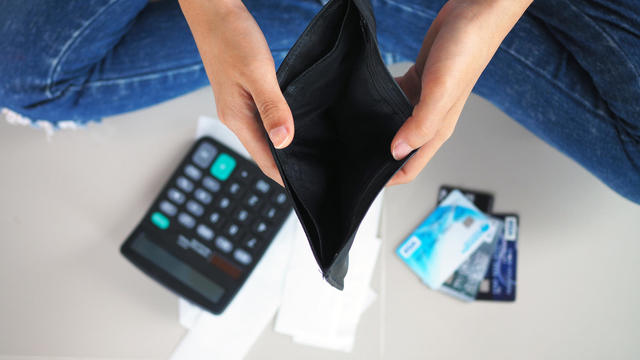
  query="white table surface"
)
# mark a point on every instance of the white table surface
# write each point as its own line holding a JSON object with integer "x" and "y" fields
{"x": 67, "y": 203}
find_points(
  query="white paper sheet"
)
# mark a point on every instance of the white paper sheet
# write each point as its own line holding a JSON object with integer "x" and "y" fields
{"x": 313, "y": 312}
{"x": 231, "y": 334}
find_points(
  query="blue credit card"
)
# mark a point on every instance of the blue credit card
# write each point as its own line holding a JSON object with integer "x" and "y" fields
{"x": 499, "y": 283}
{"x": 445, "y": 239}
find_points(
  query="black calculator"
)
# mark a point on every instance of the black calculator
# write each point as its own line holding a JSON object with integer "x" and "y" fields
{"x": 210, "y": 225}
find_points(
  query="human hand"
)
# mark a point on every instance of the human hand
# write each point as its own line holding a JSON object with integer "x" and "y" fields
{"x": 242, "y": 74}
{"x": 458, "y": 46}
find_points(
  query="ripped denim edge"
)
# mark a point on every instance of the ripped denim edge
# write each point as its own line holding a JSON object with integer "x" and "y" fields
{"x": 49, "y": 127}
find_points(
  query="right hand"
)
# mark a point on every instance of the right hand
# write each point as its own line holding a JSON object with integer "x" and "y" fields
{"x": 242, "y": 74}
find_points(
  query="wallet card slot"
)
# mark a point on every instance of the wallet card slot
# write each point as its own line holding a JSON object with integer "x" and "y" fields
{"x": 323, "y": 31}
{"x": 293, "y": 86}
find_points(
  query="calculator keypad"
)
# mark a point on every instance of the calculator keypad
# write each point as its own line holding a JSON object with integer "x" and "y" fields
{"x": 209, "y": 226}
{"x": 221, "y": 207}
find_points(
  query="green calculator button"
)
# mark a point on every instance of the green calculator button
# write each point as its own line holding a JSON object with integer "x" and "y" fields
{"x": 223, "y": 166}
{"x": 159, "y": 220}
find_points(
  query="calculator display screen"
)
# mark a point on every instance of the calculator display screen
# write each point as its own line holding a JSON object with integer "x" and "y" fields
{"x": 178, "y": 269}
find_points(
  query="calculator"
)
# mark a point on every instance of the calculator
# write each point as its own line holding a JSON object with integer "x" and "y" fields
{"x": 209, "y": 226}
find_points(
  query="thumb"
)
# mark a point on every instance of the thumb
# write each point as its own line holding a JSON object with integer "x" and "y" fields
{"x": 437, "y": 96}
{"x": 274, "y": 111}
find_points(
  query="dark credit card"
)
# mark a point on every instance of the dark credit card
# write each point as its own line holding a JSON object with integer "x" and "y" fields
{"x": 499, "y": 283}
{"x": 482, "y": 200}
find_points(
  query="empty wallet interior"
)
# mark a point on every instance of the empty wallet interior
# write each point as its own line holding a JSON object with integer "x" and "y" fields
{"x": 346, "y": 108}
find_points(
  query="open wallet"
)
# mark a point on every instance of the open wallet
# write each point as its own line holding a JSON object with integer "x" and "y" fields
{"x": 346, "y": 108}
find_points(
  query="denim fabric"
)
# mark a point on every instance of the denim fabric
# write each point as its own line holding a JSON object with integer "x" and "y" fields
{"x": 569, "y": 71}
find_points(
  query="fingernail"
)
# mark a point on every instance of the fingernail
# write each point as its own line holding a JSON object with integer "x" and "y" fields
{"x": 278, "y": 136}
{"x": 401, "y": 150}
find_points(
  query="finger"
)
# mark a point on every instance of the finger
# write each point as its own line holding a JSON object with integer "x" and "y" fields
{"x": 412, "y": 168}
{"x": 410, "y": 84}
{"x": 252, "y": 137}
{"x": 273, "y": 108}
{"x": 442, "y": 71}
{"x": 411, "y": 81}
{"x": 439, "y": 93}
{"x": 427, "y": 42}
{"x": 238, "y": 114}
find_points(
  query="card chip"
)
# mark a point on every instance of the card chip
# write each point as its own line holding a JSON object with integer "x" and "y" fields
{"x": 468, "y": 221}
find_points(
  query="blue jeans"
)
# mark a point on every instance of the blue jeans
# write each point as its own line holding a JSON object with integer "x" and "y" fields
{"x": 569, "y": 71}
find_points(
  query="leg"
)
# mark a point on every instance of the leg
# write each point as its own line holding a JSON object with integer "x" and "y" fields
{"x": 550, "y": 87}
{"x": 105, "y": 57}
{"x": 89, "y": 59}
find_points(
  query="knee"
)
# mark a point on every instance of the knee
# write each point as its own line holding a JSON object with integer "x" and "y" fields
{"x": 27, "y": 63}
{"x": 23, "y": 75}
{"x": 24, "y": 89}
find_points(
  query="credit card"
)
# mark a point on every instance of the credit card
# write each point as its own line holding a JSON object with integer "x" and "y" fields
{"x": 499, "y": 283}
{"x": 466, "y": 280}
{"x": 445, "y": 239}
{"x": 481, "y": 199}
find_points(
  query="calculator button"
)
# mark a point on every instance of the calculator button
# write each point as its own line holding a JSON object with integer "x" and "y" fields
{"x": 205, "y": 232}
{"x": 200, "y": 249}
{"x": 235, "y": 189}
{"x": 168, "y": 208}
{"x": 176, "y": 196}
{"x": 252, "y": 201}
{"x": 243, "y": 175}
{"x": 260, "y": 228}
{"x": 280, "y": 198}
{"x": 159, "y": 220}
{"x": 233, "y": 230}
{"x": 262, "y": 186}
{"x": 251, "y": 242}
{"x": 194, "y": 208}
{"x": 203, "y": 196}
{"x": 242, "y": 256}
{"x": 224, "y": 203}
{"x": 204, "y": 154}
{"x": 193, "y": 172}
{"x": 184, "y": 184}
{"x": 223, "y": 166}
{"x": 186, "y": 220}
{"x": 211, "y": 184}
{"x": 214, "y": 218}
{"x": 242, "y": 216}
{"x": 224, "y": 244}
{"x": 270, "y": 213}
{"x": 183, "y": 242}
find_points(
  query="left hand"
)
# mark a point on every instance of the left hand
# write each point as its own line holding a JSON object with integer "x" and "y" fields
{"x": 458, "y": 46}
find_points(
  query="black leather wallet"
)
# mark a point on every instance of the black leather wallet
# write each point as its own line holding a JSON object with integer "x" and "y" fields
{"x": 346, "y": 108}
